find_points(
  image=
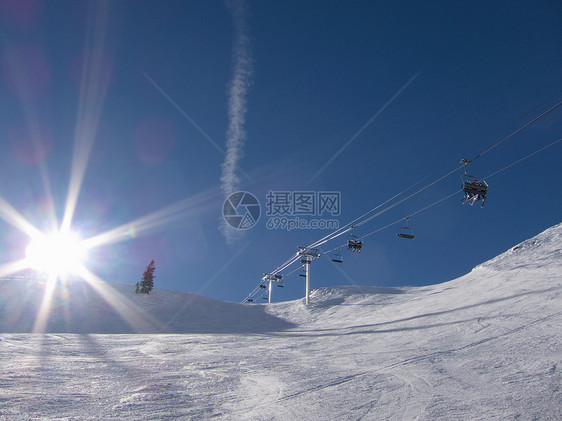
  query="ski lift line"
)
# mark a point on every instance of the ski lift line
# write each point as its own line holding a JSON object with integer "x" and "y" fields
{"x": 362, "y": 222}
{"x": 461, "y": 166}
{"x": 345, "y": 229}
{"x": 523, "y": 159}
{"x": 434, "y": 182}
{"x": 348, "y": 227}
{"x": 460, "y": 190}
{"x": 420, "y": 210}
{"x": 509, "y": 136}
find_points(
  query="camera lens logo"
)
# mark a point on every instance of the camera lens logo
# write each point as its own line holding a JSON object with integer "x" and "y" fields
{"x": 241, "y": 210}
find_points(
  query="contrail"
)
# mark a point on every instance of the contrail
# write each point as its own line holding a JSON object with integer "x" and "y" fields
{"x": 238, "y": 90}
{"x": 367, "y": 124}
{"x": 236, "y": 133}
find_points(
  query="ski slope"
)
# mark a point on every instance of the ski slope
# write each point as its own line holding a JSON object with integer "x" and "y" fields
{"x": 484, "y": 346}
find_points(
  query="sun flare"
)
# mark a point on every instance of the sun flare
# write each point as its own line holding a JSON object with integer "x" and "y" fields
{"x": 57, "y": 254}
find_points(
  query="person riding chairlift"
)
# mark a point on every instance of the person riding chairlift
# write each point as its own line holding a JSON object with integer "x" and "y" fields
{"x": 354, "y": 245}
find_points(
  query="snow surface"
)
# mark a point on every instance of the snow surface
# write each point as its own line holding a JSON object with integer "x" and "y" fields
{"x": 484, "y": 346}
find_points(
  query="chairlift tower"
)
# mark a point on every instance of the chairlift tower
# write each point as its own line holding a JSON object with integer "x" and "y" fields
{"x": 307, "y": 255}
{"x": 271, "y": 278}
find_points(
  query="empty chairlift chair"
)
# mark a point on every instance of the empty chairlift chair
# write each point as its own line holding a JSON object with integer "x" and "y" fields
{"x": 336, "y": 257}
{"x": 406, "y": 231}
{"x": 279, "y": 280}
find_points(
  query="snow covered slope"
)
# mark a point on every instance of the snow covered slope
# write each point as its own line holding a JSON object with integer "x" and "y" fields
{"x": 487, "y": 345}
{"x": 78, "y": 307}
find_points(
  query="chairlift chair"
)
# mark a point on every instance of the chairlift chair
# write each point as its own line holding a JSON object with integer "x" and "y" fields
{"x": 336, "y": 257}
{"x": 354, "y": 243}
{"x": 406, "y": 231}
{"x": 474, "y": 188}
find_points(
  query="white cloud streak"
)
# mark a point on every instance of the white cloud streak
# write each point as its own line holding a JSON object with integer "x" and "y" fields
{"x": 238, "y": 89}
{"x": 237, "y": 99}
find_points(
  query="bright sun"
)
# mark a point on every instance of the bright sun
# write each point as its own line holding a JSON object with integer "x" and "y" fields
{"x": 56, "y": 254}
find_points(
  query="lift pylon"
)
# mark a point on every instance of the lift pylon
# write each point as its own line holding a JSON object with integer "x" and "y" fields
{"x": 307, "y": 255}
{"x": 271, "y": 278}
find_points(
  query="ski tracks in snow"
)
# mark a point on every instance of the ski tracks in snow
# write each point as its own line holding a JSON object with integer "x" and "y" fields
{"x": 419, "y": 396}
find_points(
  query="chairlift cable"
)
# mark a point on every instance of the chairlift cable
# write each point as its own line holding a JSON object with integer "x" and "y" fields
{"x": 456, "y": 169}
{"x": 456, "y": 192}
{"x": 509, "y": 136}
{"x": 348, "y": 227}
{"x": 523, "y": 159}
{"x": 414, "y": 213}
{"x": 407, "y": 198}
{"x": 293, "y": 271}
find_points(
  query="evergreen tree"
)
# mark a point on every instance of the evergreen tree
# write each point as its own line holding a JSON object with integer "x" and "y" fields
{"x": 147, "y": 282}
{"x": 137, "y": 288}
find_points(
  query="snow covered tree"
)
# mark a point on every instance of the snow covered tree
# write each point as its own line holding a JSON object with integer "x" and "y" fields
{"x": 147, "y": 282}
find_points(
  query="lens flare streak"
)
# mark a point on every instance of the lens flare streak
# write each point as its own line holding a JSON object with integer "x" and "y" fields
{"x": 42, "y": 317}
{"x": 179, "y": 210}
{"x": 61, "y": 255}
{"x": 14, "y": 218}
{"x": 13, "y": 267}
{"x": 93, "y": 88}
{"x": 131, "y": 313}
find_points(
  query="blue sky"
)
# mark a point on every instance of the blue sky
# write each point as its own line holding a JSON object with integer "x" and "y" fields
{"x": 446, "y": 81}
